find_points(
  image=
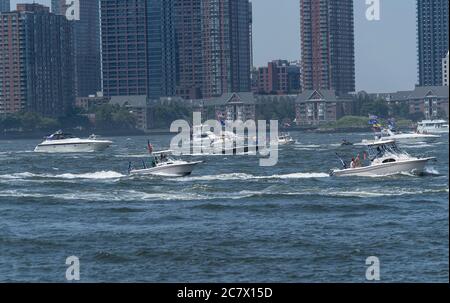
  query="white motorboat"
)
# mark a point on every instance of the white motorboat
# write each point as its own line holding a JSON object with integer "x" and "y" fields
{"x": 210, "y": 139}
{"x": 163, "y": 165}
{"x": 387, "y": 134}
{"x": 385, "y": 159}
{"x": 60, "y": 142}
{"x": 225, "y": 143}
{"x": 432, "y": 127}
{"x": 285, "y": 139}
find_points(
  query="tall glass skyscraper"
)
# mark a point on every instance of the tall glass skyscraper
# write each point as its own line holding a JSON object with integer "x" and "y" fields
{"x": 327, "y": 45}
{"x": 4, "y": 6}
{"x": 85, "y": 18}
{"x": 432, "y": 34}
{"x": 138, "y": 46}
{"x": 190, "y": 48}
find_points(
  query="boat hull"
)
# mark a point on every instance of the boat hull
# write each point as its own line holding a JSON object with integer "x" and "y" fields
{"x": 412, "y": 139}
{"x": 220, "y": 150}
{"x": 87, "y": 147}
{"x": 416, "y": 166}
{"x": 170, "y": 170}
{"x": 435, "y": 131}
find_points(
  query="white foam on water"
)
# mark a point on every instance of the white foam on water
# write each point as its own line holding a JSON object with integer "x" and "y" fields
{"x": 419, "y": 145}
{"x": 297, "y": 176}
{"x": 100, "y": 175}
{"x": 243, "y": 176}
{"x": 114, "y": 196}
{"x": 358, "y": 193}
{"x": 395, "y": 192}
{"x": 432, "y": 171}
{"x": 97, "y": 175}
{"x": 131, "y": 156}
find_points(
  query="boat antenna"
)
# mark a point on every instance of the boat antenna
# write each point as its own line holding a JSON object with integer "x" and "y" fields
{"x": 342, "y": 161}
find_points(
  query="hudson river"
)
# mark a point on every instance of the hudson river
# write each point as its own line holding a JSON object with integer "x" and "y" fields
{"x": 231, "y": 221}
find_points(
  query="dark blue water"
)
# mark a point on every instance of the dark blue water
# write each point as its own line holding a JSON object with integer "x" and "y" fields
{"x": 232, "y": 221}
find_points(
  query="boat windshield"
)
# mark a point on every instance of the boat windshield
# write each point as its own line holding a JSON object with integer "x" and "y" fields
{"x": 378, "y": 151}
{"x": 59, "y": 136}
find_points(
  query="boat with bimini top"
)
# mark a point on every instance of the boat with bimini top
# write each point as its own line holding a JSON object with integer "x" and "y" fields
{"x": 386, "y": 158}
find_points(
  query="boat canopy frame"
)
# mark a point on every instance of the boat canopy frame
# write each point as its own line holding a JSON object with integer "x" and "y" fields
{"x": 379, "y": 150}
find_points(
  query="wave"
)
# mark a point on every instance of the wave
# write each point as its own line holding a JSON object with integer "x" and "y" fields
{"x": 416, "y": 146}
{"x": 96, "y": 176}
{"x": 131, "y": 156}
{"x": 431, "y": 171}
{"x": 115, "y": 196}
{"x": 243, "y": 176}
{"x": 346, "y": 194}
{"x": 100, "y": 175}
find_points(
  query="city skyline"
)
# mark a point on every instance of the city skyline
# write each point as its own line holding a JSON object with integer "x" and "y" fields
{"x": 388, "y": 42}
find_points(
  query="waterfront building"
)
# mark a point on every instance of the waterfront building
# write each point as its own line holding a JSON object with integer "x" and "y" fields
{"x": 432, "y": 37}
{"x": 84, "y": 16}
{"x": 226, "y": 36}
{"x": 91, "y": 102}
{"x": 188, "y": 25}
{"x": 36, "y": 62}
{"x": 315, "y": 107}
{"x": 138, "y": 48}
{"x": 327, "y": 45}
{"x": 279, "y": 77}
{"x": 234, "y": 106}
{"x": 4, "y": 6}
{"x": 430, "y": 101}
{"x": 445, "y": 68}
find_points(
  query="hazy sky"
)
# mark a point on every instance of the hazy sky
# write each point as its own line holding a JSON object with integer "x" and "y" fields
{"x": 386, "y": 57}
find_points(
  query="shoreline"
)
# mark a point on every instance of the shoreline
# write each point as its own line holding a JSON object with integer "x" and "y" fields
{"x": 41, "y": 135}
{"x": 136, "y": 133}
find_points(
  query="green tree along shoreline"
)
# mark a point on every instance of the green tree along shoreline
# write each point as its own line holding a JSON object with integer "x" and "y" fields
{"x": 114, "y": 118}
{"x": 107, "y": 117}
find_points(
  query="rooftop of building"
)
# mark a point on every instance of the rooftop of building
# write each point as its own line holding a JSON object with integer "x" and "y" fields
{"x": 247, "y": 98}
{"x": 327, "y": 95}
{"x": 418, "y": 93}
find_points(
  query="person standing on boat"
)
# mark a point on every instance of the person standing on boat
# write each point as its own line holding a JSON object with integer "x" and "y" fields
{"x": 353, "y": 164}
{"x": 358, "y": 161}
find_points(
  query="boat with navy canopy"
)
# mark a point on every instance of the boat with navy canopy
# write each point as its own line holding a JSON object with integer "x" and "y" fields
{"x": 386, "y": 158}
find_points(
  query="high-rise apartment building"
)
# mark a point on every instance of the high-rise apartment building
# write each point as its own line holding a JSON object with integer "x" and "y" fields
{"x": 36, "y": 61}
{"x": 85, "y": 19}
{"x": 190, "y": 48}
{"x": 161, "y": 48}
{"x": 138, "y": 48}
{"x": 279, "y": 77}
{"x": 188, "y": 30}
{"x": 4, "y": 6}
{"x": 432, "y": 37}
{"x": 327, "y": 45}
{"x": 226, "y": 46}
{"x": 445, "y": 69}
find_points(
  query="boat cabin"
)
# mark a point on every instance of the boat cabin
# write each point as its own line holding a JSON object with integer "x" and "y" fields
{"x": 382, "y": 149}
{"x": 59, "y": 135}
